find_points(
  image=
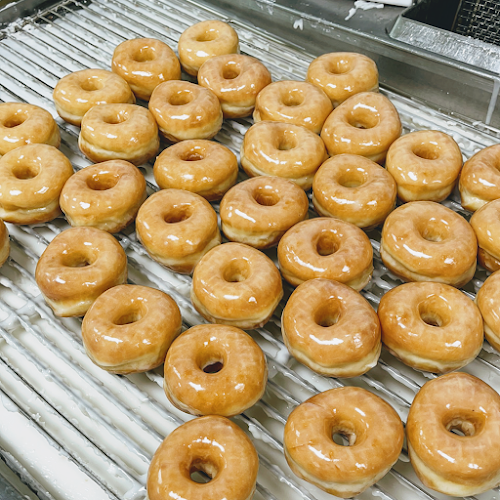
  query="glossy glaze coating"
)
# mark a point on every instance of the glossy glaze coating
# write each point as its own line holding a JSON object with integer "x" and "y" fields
{"x": 486, "y": 225}
{"x": 430, "y": 326}
{"x": 22, "y": 124}
{"x": 236, "y": 285}
{"x": 77, "y": 92}
{"x": 425, "y": 165}
{"x": 235, "y": 376}
{"x": 326, "y": 248}
{"x": 331, "y": 329}
{"x": 372, "y": 427}
{"x": 185, "y": 111}
{"x": 144, "y": 63}
{"x": 129, "y": 328}
{"x": 425, "y": 241}
{"x": 366, "y": 124}
{"x": 282, "y": 150}
{"x": 177, "y": 228}
{"x": 342, "y": 74}
{"x": 210, "y": 444}
{"x": 236, "y": 80}
{"x": 203, "y": 167}
{"x": 488, "y": 301}
{"x": 31, "y": 180}
{"x": 259, "y": 211}
{"x": 106, "y": 196}
{"x": 298, "y": 103}
{"x": 456, "y": 465}
{"x": 79, "y": 265}
{"x": 4, "y": 243}
{"x": 205, "y": 40}
{"x": 119, "y": 132}
{"x": 480, "y": 178}
{"x": 354, "y": 189}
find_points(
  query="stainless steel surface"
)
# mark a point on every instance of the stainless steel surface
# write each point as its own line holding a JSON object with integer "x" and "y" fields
{"x": 74, "y": 431}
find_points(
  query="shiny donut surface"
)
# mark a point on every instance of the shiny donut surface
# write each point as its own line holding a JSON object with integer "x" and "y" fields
{"x": 487, "y": 299}
{"x": 486, "y": 225}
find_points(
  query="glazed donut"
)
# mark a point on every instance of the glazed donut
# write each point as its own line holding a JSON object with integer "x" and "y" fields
{"x": 342, "y": 74}
{"x": 480, "y": 178}
{"x": 298, "y": 103}
{"x": 487, "y": 299}
{"x": 331, "y": 329}
{"x": 215, "y": 370}
{"x": 213, "y": 445}
{"x": 22, "y": 124}
{"x": 236, "y": 80}
{"x": 425, "y": 241}
{"x": 354, "y": 189}
{"x": 144, "y": 63}
{"x": 4, "y": 243}
{"x": 119, "y": 132}
{"x": 203, "y": 41}
{"x": 106, "y": 196}
{"x": 236, "y": 285}
{"x": 425, "y": 165}
{"x": 371, "y": 426}
{"x": 486, "y": 225}
{"x": 185, "y": 111}
{"x": 326, "y": 248}
{"x": 430, "y": 326}
{"x": 31, "y": 180}
{"x": 366, "y": 124}
{"x": 79, "y": 265}
{"x": 282, "y": 150}
{"x": 456, "y": 465}
{"x": 177, "y": 228}
{"x": 129, "y": 328}
{"x": 203, "y": 167}
{"x": 259, "y": 211}
{"x": 77, "y": 92}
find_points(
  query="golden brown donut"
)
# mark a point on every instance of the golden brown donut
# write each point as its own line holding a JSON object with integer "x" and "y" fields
{"x": 31, "y": 180}
{"x": 425, "y": 165}
{"x": 236, "y": 285}
{"x": 185, "y": 111}
{"x": 430, "y": 326}
{"x": 282, "y": 150}
{"x": 236, "y": 80}
{"x": 480, "y": 178}
{"x": 298, "y": 103}
{"x": 259, "y": 211}
{"x": 205, "y": 40}
{"x": 326, "y": 248}
{"x": 213, "y": 445}
{"x": 488, "y": 301}
{"x": 371, "y": 426}
{"x": 203, "y": 167}
{"x": 425, "y": 241}
{"x": 366, "y": 124}
{"x": 331, "y": 329}
{"x": 4, "y": 243}
{"x": 177, "y": 228}
{"x": 457, "y": 465}
{"x": 22, "y": 124}
{"x": 342, "y": 74}
{"x": 214, "y": 370}
{"x": 119, "y": 132}
{"x": 106, "y": 196}
{"x": 486, "y": 225}
{"x": 77, "y": 92}
{"x": 144, "y": 63}
{"x": 354, "y": 189}
{"x": 79, "y": 265}
{"x": 129, "y": 328}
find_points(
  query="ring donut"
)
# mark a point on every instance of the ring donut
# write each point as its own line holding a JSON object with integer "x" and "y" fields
{"x": 371, "y": 426}
{"x": 486, "y": 225}
{"x": 259, "y": 211}
{"x": 214, "y": 370}
{"x": 456, "y": 465}
{"x": 425, "y": 241}
{"x": 489, "y": 305}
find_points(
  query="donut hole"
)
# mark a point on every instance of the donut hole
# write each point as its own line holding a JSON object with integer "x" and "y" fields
{"x": 202, "y": 471}
{"x": 293, "y": 98}
{"x": 343, "y": 439}
{"x": 92, "y": 84}
{"x": 328, "y": 314}
{"x": 466, "y": 424}
{"x": 144, "y": 54}
{"x": 435, "y": 311}
{"x": 434, "y": 230}
{"x": 343, "y": 434}
{"x": 213, "y": 367}
{"x": 230, "y": 71}
{"x": 237, "y": 271}
{"x": 25, "y": 172}
{"x": 128, "y": 318}
{"x": 180, "y": 98}
{"x": 178, "y": 214}
{"x": 265, "y": 196}
{"x": 339, "y": 67}
{"x": 15, "y": 120}
{"x": 191, "y": 155}
{"x": 76, "y": 259}
{"x": 427, "y": 151}
{"x": 287, "y": 142}
{"x": 115, "y": 118}
{"x": 102, "y": 181}
{"x": 352, "y": 179}
{"x": 326, "y": 244}
{"x": 363, "y": 118}
{"x": 208, "y": 36}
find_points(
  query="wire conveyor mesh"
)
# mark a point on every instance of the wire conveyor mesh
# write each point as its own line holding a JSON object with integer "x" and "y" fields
{"x": 96, "y": 430}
